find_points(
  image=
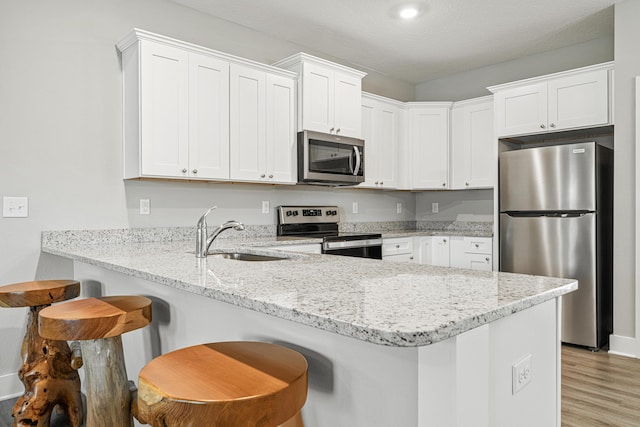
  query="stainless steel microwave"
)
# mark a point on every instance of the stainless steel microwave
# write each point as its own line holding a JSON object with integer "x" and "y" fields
{"x": 329, "y": 159}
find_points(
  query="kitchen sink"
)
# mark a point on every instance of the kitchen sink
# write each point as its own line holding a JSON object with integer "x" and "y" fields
{"x": 241, "y": 256}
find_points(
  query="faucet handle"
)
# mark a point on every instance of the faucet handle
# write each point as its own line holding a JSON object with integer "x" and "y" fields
{"x": 202, "y": 222}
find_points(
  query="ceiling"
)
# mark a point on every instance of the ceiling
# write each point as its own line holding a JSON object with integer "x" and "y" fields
{"x": 449, "y": 36}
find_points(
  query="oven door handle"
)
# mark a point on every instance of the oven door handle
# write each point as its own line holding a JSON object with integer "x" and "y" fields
{"x": 327, "y": 246}
{"x": 356, "y": 169}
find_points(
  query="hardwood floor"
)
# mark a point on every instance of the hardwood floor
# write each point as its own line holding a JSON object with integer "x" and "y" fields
{"x": 599, "y": 389}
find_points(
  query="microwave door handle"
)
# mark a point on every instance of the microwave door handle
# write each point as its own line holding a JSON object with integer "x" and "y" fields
{"x": 357, "y": 168}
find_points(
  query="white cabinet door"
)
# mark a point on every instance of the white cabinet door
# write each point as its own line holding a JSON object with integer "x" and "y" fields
{"x": 247, "y": 124}
{"x": 457, "y": 252}
{"x": 430, "y": 147}
{"x": 346, "y": 101}
{"x": 164, "y": 97}
{"x": 281, "y": 130}
{"x": 380, "y": 122}
{"x": 317, "y": 98}
{"x": 387, "y": 146}
{"x": 473, "y": 152}
{"x": 434, "y": 250}
{"x": 521, "y": 110}
{"x": 579, "y": 101}
{"x": 371, "y": 149}
{"x": 208, "y": 117}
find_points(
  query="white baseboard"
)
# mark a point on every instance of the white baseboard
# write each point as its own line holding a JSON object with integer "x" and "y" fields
{"x": 623, "y": 346}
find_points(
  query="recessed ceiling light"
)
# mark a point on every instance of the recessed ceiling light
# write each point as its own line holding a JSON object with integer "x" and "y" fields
{"x": 408, "y": 12}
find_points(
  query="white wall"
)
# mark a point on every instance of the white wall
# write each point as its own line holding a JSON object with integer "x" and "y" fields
{"x": 61, "y": 136}
{"x": 473, "y": 83}
{"x": 627, "y": 35}
{"x": 465, "y": 205}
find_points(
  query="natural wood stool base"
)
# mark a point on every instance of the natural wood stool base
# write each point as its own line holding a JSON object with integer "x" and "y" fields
{"x": 46, "y": 372}
{"x": 98, "y": 324}
{"x": 223, "y": 384}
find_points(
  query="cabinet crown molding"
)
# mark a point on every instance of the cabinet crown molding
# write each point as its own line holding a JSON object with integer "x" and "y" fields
{"x": 137, "y": 35}
{"x": 540, "y": 79}
{"x": 304, "y": 57}
{"x": 473, "y": 101}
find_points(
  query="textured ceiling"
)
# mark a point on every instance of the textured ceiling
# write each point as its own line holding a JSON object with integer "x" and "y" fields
{"x": 448, "y": 37}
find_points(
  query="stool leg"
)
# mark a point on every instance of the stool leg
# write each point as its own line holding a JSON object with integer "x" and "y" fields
{"x": 108, "y": 394}
{"x": 48, "y": 379}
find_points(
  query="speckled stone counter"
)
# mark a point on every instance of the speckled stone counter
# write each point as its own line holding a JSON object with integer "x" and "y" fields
{"x": 385, "y": 303}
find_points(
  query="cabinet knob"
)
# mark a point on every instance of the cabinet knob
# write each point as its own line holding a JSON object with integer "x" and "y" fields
{"x": 381, "y": 182}
{"x": 444, "y": 184}
{"x": 338, "y": 130}
{"x": 552, "y": 125}
{"x": 397, "y": 246}
{"x": 270, "y": 176}
{"x": 184, "y": 170}
{"x": 466, "y": 183}
{"x": 444, "y": 240}
{"x": 195, "y": 171}
{"x": 542, "y": 126}
{"x": 262, "y": 176}
{"x": 376, "y": 182}
{"x": 487, "y": 259}
{"x": 411, "y": 257}
{"x": 332, "y": 129}
{"x": 477, "y": 245}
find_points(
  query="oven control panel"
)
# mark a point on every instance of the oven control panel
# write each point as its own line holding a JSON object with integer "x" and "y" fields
{"x": 308, "y": 214}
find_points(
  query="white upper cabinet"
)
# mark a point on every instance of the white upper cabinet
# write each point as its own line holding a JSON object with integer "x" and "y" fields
{"x": 179, "y": 116}
{"x": 569, "y": 100}
{"x": 328, "y": 93}
{"x": 473, "y": 145}
{"x": 429, "y": 145}
{"x": 380, "y": 131}
{"x": 208, "y": 117}
{"x": 262, "y": 126}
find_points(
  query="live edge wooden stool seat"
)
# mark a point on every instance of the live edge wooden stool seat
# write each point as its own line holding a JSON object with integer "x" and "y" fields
{"x": 230, "y": 384}
{"x": 98, "y": 324}
{"x": 46, "y": 372}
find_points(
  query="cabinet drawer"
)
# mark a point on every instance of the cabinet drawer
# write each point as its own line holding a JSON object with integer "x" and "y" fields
{"x": 397, "y": 246}
{"x": 479, "y": 262}
{"x": 478, "y": 245}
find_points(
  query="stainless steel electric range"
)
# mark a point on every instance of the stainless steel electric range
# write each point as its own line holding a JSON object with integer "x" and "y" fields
{"x": 323, "y": 222}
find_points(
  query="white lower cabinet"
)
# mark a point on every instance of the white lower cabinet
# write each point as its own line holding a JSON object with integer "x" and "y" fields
{"x": 434, "y": 250}
{"x": 475, "y": 253}
{"x": 398, "y": 249}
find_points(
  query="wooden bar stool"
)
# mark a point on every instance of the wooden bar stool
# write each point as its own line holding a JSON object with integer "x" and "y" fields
{"x": 46, "y": 372}
{"x": 223, "y": 384}
{"x": 98, "y": 324}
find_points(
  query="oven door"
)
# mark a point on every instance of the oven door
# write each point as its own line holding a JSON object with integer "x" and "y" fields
{"x": 371, "y": 248}
{"x": 330, "y": 159}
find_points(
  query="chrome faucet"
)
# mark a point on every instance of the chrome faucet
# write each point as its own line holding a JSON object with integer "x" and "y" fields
{"x": 204, "y": 240}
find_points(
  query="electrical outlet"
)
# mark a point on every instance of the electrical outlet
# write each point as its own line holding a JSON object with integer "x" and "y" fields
{"x": 434, "y": 207}
{"x": 521, "y": 373}
{"x": 399, "y": 208}
{"x": 145, "y": 207}
{"x": 265, "y": 206}
{"x": 15, "y": 207}
{"x": 354, "y": 207}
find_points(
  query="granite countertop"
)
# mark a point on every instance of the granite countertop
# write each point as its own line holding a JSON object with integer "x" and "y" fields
{"x": 386, "y": 303}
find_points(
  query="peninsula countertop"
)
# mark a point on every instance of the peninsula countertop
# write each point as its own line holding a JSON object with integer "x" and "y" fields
{"x": 393, "y": 304}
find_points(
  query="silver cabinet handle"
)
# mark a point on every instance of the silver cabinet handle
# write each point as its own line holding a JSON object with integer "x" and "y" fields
{"x": 332, "y": 129}
{"x": 338, "y": 130}
{"x": 487, "y": 259}
{"x": 542, "y": 126}
{"x": 552, "y": 125}
{"x": 262, "y": 176}
{"x": 270, "y": 176}
{"x": 376, "y": 182}
{"x": 381, "y": 182}
{"x": 195, "y": 171}
{"x": 184, "y": 170}
{"x": 466, "y": 183}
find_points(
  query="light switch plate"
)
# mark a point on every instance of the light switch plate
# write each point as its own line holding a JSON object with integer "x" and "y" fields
{"x": 15, "y": 207}
{"x": 265, "y": 206}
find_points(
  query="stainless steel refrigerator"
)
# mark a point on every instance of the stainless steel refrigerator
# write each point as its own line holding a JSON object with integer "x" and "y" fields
{"x": 556, "y": 219}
